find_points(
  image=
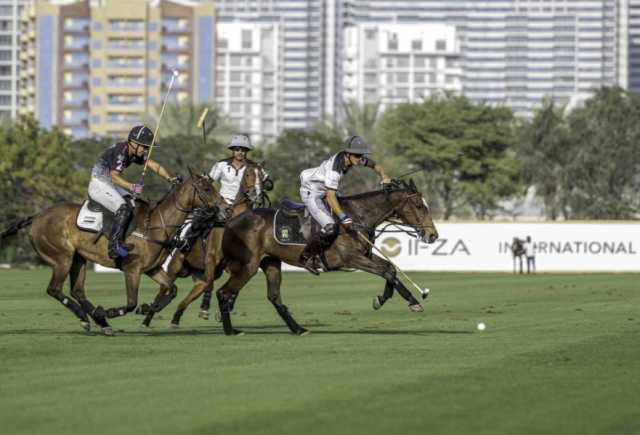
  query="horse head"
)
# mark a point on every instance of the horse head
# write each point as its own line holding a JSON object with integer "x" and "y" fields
{"x": 411, "y": 209}
{"x": 198, "y": 191}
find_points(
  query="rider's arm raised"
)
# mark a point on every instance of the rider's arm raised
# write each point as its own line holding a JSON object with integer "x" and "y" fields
{"x": 379, "y": 170}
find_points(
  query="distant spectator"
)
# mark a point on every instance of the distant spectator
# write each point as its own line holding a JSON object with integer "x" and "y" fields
{"x": 529, "y": 255}
{"x": 517, "y": 251}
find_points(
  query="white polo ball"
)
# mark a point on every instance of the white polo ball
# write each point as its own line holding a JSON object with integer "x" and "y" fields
{"x": 481, "y": 326}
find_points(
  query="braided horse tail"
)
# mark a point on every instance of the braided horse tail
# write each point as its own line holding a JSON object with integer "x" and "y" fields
{"x": 15, "y": 227}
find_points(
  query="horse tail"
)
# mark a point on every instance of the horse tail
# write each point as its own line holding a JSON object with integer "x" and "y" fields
{"x": 16, "y": 226}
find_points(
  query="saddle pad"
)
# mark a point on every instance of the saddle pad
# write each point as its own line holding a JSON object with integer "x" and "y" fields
{"x": 89, "y": 220}
{"x": 287, "y": 229}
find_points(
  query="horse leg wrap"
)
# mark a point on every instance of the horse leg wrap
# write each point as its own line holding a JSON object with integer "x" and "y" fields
{"x": 72, "y": 306}
{"x": 283, "y": 311}
{"x": 177, "y": 316}
{"x": 121, "y": 311}
{"x": 164, "y": 299}
{"x": 404, "y": 292}
{"x": 225, "y": 315}
{"x": 388, "y": 292}
{"x": 206, "y": 300}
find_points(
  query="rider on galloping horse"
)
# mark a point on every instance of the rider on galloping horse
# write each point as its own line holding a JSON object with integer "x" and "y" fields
{"x": 241, "y": 182}
{"x": 320, "y": 184}
{"x": 108, "y": 187}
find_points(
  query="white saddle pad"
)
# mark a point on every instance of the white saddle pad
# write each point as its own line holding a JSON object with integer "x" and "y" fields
{"x": 89, "y": 220}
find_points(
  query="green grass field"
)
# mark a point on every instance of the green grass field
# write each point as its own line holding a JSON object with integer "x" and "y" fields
{"x": 560, "y": 355}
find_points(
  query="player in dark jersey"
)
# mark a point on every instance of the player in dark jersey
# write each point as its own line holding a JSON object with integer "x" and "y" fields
{"x": 108, "y": 187}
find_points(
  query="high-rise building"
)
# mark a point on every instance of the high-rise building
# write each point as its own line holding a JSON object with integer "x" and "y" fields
{"x": 279, "y": 63}
{"x": 395, "y": 63}
{"x": 515, "y": 52}
{"x": 98, "y": 67}
{"x": 10, "y": 11}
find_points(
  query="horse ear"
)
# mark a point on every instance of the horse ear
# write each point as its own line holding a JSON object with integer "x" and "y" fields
{"x": 412, "y": 185}
{"x": 190, "y": 171}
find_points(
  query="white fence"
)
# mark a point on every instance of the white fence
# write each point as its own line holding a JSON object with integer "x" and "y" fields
{"x": 609, "y": 247}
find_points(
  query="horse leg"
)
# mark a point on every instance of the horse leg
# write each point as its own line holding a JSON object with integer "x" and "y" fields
{"x": 77, "y": 276}
{"x": 227, "y": 294}
{"x": 61, "y": 269}
{"x": 272, "y": 270}
{"x": 168, "y": 291}
{"x": 199, "y": 286}
{"x": 205, "y": 304}
{"x": 132, "y": 282}
{"x": 381, "y": 267}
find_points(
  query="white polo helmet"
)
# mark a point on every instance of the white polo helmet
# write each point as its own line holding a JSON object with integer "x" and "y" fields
{"x": 240, "y": 140}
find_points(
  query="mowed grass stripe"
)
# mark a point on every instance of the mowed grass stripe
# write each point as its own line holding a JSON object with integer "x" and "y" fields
{"x": 559, "y": 355}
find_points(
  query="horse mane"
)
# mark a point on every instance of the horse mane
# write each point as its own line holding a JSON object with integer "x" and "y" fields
{"x": 396, "y": 185}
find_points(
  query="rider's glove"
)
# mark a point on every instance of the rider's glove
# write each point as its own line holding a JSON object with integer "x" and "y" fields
{"x": 175, "y": 180}
{"x": 136, "y": 188}
{"x": 345, "y": 220}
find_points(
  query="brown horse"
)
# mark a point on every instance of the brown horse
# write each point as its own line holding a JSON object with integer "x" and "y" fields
{"x": 58, "y": 241}
{"x": 249, "y": 243}
{"x": 204, "y": 260}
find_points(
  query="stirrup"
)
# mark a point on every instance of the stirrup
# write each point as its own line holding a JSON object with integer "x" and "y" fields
{"x": 311, "y": 265}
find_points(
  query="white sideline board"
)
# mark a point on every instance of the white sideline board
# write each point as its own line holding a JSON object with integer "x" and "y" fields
{"x": 558, "y": 247}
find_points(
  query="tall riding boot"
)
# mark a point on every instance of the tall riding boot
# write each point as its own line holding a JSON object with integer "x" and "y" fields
{"x": 309, "y": 257}
{"x": 116, "y": 236}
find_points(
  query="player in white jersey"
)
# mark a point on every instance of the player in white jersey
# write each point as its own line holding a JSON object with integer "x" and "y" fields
{"x": 241, "y": 181}
{"x": 320, "y": 184}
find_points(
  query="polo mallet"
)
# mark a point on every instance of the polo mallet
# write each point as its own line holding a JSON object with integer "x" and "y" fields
{"x": 201, "y": 124}
{"x": 424, "y": 292}
{"x": 155, "y": 133}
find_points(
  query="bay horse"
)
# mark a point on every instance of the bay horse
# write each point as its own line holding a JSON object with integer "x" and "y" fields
{"x": 204, "y": 261}
{"x": 248, "y": 244}
{"x": 62, "y": 245}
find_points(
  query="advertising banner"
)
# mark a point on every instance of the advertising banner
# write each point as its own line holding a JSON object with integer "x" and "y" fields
{"x": 554, "y": 247}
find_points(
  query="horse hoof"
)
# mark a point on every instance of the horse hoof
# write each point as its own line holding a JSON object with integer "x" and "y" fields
{"x": 85, "y": 325}
{"x": 108, "y": 331}
{"x": 174, "y": 325}
{"x": 302, "y": 332}
{"x": 237, "y": 332}
{"x": 376, "y": 303}
{"x": 204, "y": 315}
{"x": 416, "y": 308}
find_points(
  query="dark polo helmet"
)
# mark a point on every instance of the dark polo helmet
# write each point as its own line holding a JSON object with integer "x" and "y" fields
{"x": 141, "y": 135}
{"x": 355, "y": 145}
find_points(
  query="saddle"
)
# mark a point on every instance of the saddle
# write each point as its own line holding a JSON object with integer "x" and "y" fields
{"x": 95, "y": 218}
{"x": 292, "y": 224}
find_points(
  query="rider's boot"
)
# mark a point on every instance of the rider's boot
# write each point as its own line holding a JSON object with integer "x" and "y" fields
{"x": 309, "y": 257}
{"x": 118, "y": 228}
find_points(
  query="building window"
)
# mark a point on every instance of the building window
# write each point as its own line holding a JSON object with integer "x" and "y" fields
{"x": 441, "y": 45}
{"x": 223, "y": 43}
{"x": 95, "y": 119}
{"x": 403, "y": 61}
{"x": 402, "y": 77}
{"x": 246, "y": 39}
{"x": 370, "y": 34}
{"x": 235, "y": 76}
{"x": 95, "y": 100}
{"x": 236, "y": 107}
{"x": 153, "y": 45}
{"x": 392, "y": 43}
{"x": 96, "y": 82}
{"x": 419, "y": 77}
{"x": 152, "y": 82}
{"x": 97, "y": 45}
{"x": 236, "y": 60}
{"x": 96, "y": 63}
{"x": 416, "y": 45}
{"x": 152, "y": 26}
{"x": 97, "y": 26}
{"x": 152, "y": 101}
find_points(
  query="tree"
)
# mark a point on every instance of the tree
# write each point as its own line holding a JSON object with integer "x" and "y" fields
{"x": 544, "y": 152}
{"x": 464, "y": 149}
{"x": 294, "y": 151}
{"x": 604, "y": 165}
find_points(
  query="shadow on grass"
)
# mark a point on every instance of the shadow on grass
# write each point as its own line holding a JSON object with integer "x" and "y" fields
{"x": 249, "y": 330}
